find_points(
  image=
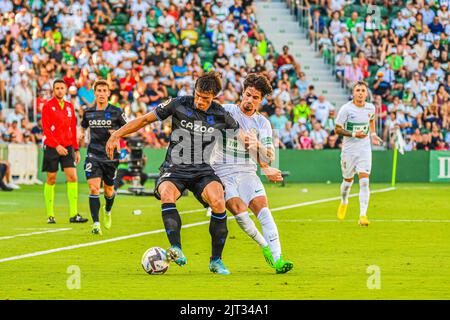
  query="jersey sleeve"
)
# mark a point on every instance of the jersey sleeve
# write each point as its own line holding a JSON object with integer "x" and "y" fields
{"x": 265, "y": 134}
{"x": 73, "y": 126}
{"x": 230, "y": 122}
{"x": 165, "y": 109}
{"x": 372, "y": 113}
{"x": 229, "y": 107}
{"x": 342, "y": 117}
{"x": 84, "y": 122}
{"x": 121, "y": 119}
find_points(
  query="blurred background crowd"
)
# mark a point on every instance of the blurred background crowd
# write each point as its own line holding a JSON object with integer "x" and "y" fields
{"x": 151, "y": 50}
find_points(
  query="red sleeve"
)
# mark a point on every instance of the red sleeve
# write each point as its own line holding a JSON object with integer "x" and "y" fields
{"x": 73, "y": 127}
{"x": 50, "y": 139}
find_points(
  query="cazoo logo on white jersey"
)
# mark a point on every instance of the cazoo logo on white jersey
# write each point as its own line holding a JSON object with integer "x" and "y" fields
{"x": 196, "y": 126}
{"x": 100, "y": 123}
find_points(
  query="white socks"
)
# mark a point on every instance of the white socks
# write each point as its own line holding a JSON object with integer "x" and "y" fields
{"x": 270, "y": 232}
{"x": 364, "y": 195}
{"x": 345, "y": 190}
{"x": 249, "y": 227}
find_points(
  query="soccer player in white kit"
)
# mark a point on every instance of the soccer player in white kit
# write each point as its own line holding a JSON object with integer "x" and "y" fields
{"x": 233, "y": 162}
{"x": 356, "y": 121}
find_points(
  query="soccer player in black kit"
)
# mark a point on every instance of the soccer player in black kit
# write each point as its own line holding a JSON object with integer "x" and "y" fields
{"x": 101, "y": 120}
{"x": 193, "y": 117}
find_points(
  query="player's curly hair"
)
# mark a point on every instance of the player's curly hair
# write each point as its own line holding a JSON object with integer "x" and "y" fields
{"x": 209, "y": 82}
{"x": 258, "y": 81}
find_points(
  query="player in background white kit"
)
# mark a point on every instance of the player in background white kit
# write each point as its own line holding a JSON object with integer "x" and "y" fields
{"x": 233, "y": 163}
{"x": 355, "y": 121}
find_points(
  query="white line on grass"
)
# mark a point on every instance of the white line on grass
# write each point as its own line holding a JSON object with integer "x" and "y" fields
{"x": 89, "y": 244}
{"x": 372, "y": 220}
{"x": 34, "y": 233}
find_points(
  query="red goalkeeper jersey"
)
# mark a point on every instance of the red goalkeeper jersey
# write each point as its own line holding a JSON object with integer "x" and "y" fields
{"x": 59, "y": 124}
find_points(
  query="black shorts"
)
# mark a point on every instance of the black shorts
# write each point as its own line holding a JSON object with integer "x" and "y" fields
{"x": 52, "y": 159}
{"x": 107, "y": 170}
{"x": 193, "y": 181}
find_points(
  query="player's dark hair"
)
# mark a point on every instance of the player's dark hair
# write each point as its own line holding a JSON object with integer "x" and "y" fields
{"x": 101, "y": 83}
{"x": 210, "y": 82}
{"x": 258, "y": 81}
{"x": 58, "y": 81}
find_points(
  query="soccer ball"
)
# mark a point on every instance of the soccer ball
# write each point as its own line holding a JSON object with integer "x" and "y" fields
{"x": 154, "y": 261}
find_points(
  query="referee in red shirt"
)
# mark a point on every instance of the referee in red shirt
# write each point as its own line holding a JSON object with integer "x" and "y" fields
{"x": 60, "y": 149}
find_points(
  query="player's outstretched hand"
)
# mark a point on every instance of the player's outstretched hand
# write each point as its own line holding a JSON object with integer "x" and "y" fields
{"x": 360, "y": 135}
{"x": 112, "y": 144}
{"x": 376, "y": 140}
{"x": 273, "y": 174}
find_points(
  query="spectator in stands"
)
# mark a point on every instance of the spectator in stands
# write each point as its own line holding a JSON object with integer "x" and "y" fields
{"x": 278, "y": 120}
{"x": 14, "y": 132}
{"x": 343, "y": 59}
{"x": 321, "y": 109}
{"x": 310, "y": 96}
{"x": 332, "y": 142}
{"x": 287, "y": 62}
{"x": 288, "y": 137}
{"x": 317, "y": 26}
{"x": 353, "y": 73}
{"x": 305, "y": 142}
{"x": 318, "y": 136}
{"x": 4, "y": 176}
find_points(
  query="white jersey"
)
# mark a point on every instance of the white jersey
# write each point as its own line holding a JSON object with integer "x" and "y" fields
{"x": 353, "y": 119}
{"x": 230, "y": 157}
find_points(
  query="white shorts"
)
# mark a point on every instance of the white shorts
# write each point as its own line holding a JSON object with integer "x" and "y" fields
{"x": 246, "y": 186}
{"x": 352, "y": 164}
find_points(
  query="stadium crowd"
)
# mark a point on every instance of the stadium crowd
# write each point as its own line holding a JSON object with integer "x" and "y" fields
{"x": 151, "y": 50}
{"x": 401, "y": 50}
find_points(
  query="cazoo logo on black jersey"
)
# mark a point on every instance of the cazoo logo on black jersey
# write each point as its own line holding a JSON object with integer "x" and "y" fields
{"x": 196, "y": 126}
{"x": 100, "y": 123}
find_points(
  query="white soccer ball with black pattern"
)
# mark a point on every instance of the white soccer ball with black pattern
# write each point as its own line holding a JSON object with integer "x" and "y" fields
{"x": 154, "y": 261}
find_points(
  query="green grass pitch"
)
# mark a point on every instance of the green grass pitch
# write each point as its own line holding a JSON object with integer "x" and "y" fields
{"x": 408, "y": 241}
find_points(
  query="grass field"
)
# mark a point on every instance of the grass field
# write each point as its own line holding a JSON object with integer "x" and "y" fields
{"x": 408, "y": 240}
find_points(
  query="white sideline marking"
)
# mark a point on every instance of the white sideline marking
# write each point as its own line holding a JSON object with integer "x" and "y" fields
{"x": 33, "y": 233}
{"x": 89, "y": 244}
{"x": 372, "y": 220}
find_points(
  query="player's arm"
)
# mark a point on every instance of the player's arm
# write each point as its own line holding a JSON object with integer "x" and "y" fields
{"x": 163, "y": 111}
{"x": 75, "y": 146}
{"x": 376, "y": 140}
{"x": 130, "y": 127}
{"x": 339, "y": 127}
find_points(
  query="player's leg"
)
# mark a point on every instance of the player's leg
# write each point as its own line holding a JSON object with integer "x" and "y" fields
{"x": 49, "y": 196}
{"x": 110, "y": 195}
{"x": 238, "y": 207}
{"x": 50, "y": 163}
{"x": 364, "y": 196}
{"x": 348, "y": 171}
{"x": 109, "y": 177}
{"x": 168, "y": 192}
{"x": 68, "y": 165}
{"x": 213, "y": 195}
{"x": 363, "y": 167}
{"x": 260, "y": 207}
{"x": 94, "y": 202}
